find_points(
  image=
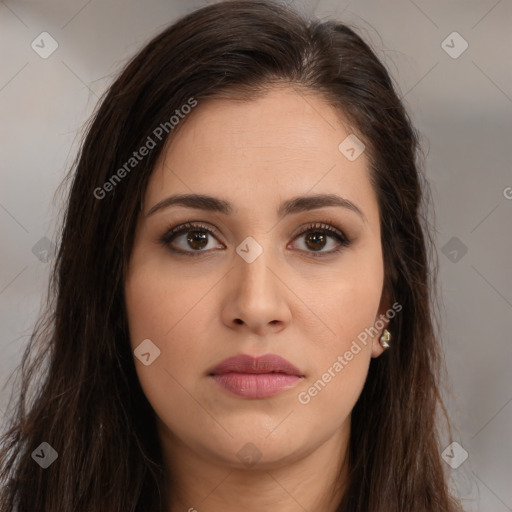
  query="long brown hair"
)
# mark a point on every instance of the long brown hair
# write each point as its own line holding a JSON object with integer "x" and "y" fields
{"x": 79, "y": 390}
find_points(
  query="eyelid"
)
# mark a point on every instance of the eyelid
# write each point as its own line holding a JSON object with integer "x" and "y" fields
{"x": 325, "y": 225}
{"x": 189, "y": 226}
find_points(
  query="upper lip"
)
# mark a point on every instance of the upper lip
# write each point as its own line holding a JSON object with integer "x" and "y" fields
{"x": 268, "y": 363}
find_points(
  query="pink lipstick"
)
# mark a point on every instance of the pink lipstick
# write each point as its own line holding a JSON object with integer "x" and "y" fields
{"x": 256, "y": 377}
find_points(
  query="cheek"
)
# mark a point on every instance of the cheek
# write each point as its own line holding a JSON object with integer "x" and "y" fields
{"x": 157, "y": 299}
{"x": 157, "y": 310}
{"x": 170, "y": 311}
{"x": 343, "y": 352}
{"x": 341, "y": 359}
{"x": 348, "y": 304}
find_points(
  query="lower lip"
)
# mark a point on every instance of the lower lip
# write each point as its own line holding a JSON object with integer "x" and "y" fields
{"x": 250, "y": 385}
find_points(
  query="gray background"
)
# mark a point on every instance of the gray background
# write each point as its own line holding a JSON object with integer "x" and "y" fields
{"x": 462, "y": 106}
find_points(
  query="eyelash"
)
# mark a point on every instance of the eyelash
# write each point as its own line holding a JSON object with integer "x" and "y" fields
{"x": 317, "y": 227}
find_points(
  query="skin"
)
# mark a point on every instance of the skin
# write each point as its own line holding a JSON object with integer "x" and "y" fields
{"x": 201, "y": 310}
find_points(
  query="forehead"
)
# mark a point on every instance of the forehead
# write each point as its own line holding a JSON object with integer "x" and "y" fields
{"x": 281, "y": 144}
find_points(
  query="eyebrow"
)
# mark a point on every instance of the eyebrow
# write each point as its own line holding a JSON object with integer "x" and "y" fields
{"x": 295, "y": 205}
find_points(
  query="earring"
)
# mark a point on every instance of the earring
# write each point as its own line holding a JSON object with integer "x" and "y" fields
{"x": 386, "y": 336}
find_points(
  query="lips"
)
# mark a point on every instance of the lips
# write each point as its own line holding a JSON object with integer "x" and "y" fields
{"x": 269, "y": 363}
{"x": 256, "y": 377}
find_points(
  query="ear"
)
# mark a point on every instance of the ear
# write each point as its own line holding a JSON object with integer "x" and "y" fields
{"x": 381, "y": 322}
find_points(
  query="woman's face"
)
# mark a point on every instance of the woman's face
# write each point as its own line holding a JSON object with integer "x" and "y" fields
{"x": 244, "y": 280}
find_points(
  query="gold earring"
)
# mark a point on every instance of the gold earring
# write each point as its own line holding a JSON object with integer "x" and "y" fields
{"x": 386, "y": 336}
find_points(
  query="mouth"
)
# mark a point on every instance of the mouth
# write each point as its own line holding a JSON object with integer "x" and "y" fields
{"x": 256, "y": 377}
{"x": 269, "y": 363}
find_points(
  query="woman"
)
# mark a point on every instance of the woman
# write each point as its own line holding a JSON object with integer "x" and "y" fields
{"x": 243, "y": 301}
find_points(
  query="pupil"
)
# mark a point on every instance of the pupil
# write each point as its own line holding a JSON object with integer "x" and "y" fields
{"x": 316, "y": 237}
{"x": 197, "y": 236}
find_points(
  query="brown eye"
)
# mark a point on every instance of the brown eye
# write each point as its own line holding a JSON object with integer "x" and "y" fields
{"x": 316, "y": 238}
{"x": 196, "y": 241}
{"x": 193, "y": 240}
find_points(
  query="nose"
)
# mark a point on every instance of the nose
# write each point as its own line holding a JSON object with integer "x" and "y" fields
{"x": 256, "y": 296}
